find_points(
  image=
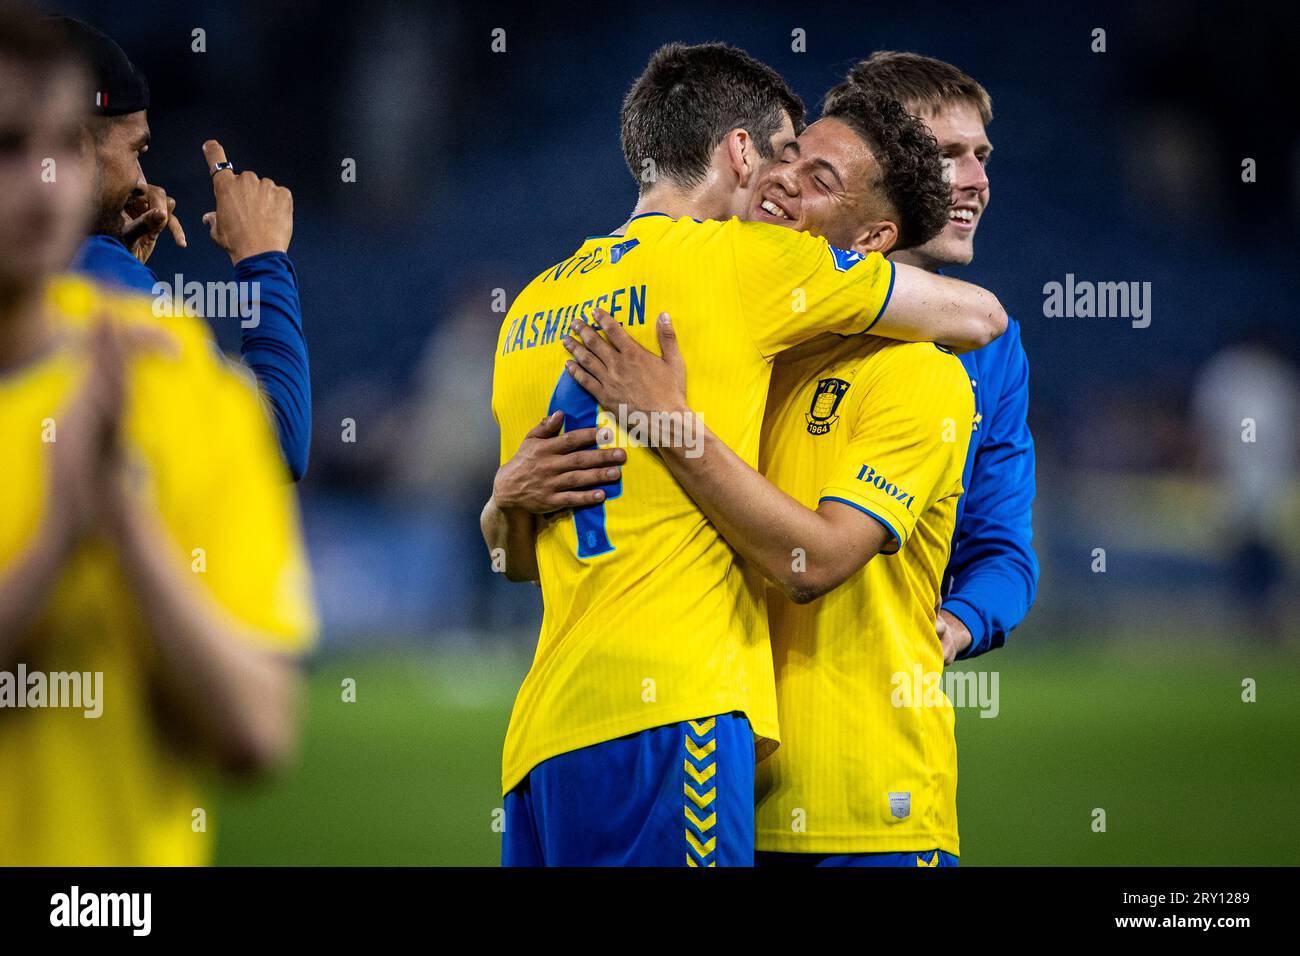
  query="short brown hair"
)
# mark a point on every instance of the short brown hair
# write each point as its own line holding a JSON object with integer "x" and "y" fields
{"x": 921, "y": 83}
{"x": 689, "y": 97}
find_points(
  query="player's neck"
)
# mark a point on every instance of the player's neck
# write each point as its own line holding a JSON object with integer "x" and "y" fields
{"x": 913, "y": 257}
{"x": 672, "y": 202}
{"x": 25, "y": 329}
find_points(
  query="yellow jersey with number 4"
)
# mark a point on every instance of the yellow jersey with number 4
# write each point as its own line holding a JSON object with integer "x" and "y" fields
{"x": 649, "y": 618}
{"x": 112, "y": 781}
{"x": 868, "y": 761}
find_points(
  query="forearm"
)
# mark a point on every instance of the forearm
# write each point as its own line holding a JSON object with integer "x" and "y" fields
{"x": 994, "y": 569}
{"x": 924, "y": 307}
{"x": 242, "y": 702}
{"x": 276, "y": 350}
{"x": 761, "y": 522}
{"x": 25, "y": 589}
{"x": 510, "y": 536}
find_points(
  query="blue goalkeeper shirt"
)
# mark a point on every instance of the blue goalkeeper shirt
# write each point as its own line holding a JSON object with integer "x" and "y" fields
{"x": 275, "y": 350}
{"x": 992, "y": 575}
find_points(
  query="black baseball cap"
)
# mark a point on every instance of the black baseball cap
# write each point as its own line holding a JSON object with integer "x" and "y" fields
{"x": 120, "y": 88}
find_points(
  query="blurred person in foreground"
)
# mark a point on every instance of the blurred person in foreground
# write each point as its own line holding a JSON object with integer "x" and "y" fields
{"x": 252, "y": 222}
{"x": 154, "y": 596}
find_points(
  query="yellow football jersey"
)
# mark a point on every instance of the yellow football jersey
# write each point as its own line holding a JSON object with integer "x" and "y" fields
{"x": 864, "y": 765}
{"x": 649, "y": 619}
{"x": 120, "y": 789}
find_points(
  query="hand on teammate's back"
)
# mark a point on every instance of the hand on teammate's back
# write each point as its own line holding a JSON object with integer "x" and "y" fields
{"x": 623, "y": 374}
{"x": 555, "y": 470}
{"x": 253, "y": 214}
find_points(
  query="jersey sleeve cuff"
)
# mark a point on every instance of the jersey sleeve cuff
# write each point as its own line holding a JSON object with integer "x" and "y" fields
{"x": 893, "y": 271}
{"x": 966, "y": 613}
{"x": 892, "y": 525}
{"x": 257, "y": 259}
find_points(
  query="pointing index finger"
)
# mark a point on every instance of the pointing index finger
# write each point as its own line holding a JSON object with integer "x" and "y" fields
{"x": 214, "y": 154}
{"x": 177, "y": 230}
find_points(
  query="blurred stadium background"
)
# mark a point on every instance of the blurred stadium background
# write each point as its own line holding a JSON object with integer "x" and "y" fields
{"x": 477, "y": 169}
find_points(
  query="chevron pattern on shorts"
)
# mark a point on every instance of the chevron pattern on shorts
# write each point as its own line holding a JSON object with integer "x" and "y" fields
{"x": 700, "y": 791}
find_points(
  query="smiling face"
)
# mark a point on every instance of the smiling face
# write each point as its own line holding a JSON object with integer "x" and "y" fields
{"x": 741, "y": 197}
{"x": 826, "y": 183}
{"x": 45, "y": 174}
{"x": 964, "y": 144}
{"x": 119, "y": 142}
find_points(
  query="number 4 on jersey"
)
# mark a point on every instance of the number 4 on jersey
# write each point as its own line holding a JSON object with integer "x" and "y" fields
{"x": 580, "y": 410}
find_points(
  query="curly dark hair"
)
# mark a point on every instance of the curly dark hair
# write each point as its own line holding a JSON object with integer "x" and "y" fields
{"x": 911, "y": 168}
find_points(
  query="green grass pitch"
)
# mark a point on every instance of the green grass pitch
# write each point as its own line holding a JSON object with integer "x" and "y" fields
{"x": 1186, "y": 772}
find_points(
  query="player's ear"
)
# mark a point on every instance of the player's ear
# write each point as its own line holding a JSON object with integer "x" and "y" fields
{"x": 741, "y": 155}
{"x": 877, "y": 237}
{"x": 91, "y": 133}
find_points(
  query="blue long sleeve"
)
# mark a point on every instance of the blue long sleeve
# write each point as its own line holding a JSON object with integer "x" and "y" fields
{"x": 276, "y": 351}
{"x": 993, "y": 570}
{"x": 110, "y": 263}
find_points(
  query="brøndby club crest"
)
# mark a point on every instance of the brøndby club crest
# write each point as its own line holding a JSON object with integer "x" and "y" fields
{"x": 825, "y": 403}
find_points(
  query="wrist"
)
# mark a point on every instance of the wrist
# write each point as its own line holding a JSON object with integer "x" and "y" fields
{"x": 963, "y": 617}
{"x": 121, "y": 507}
{"x": 63, "y": 529}
{"x": 118, "y": 515}
{"x": 251, "y": 262}
{"x": 689, "y": 438}
{"x": 502, "y": 496}
{"x": 247, "y": 252}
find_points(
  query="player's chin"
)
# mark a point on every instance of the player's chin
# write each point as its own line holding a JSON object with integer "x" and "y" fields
{"x": 111, "y": 222}
{"x": 957, "y": 247}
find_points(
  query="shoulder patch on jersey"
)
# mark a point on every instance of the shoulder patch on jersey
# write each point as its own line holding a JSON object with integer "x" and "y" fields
{"x": 845, "y": 259}
{"x": 620, "y": 249}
